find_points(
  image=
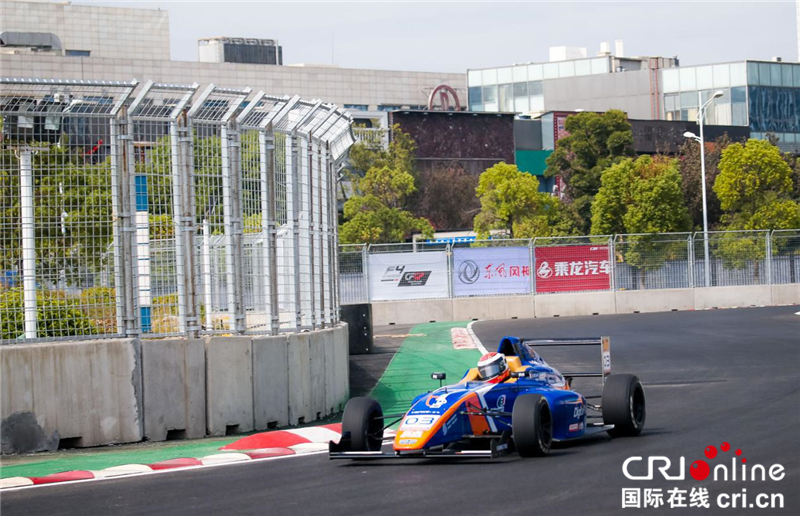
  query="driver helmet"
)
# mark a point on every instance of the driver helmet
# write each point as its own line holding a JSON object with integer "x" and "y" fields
{"x": 493, "y": 368}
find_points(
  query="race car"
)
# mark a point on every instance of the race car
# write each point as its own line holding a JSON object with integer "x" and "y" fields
{"x": 527, "y": 412}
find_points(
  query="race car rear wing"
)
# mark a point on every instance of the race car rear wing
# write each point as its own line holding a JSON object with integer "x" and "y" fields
{"x": 603, "y": 342}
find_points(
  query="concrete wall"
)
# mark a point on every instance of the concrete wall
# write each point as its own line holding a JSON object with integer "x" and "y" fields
{"x": 583, "y": 303}
{"x": 89, "y": 392}
{"x": 113, "y": 391}
{"x": 174, "y": 388}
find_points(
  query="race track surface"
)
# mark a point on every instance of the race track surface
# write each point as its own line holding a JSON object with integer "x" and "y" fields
{"x": 710, "y": 377}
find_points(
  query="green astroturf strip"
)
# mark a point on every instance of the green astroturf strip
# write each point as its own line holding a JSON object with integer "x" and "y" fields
{"x": 100, "y": 458}
{"x": 409, "y": 373}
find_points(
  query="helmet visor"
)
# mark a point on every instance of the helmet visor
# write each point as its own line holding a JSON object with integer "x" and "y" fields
{"x": 491, "y": 370}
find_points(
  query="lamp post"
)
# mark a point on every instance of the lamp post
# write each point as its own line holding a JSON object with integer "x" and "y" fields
{"x": 688, "y": 134}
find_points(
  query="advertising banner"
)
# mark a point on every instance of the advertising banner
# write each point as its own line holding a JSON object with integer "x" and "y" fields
{"x": 572, "y": 268}
{"x": 486, "y": 271}
{"x": 395, "y": 276}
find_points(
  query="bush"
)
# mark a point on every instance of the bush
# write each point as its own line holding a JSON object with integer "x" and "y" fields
{"x": 57, "y": 314}
{"x": 100, "y": 305}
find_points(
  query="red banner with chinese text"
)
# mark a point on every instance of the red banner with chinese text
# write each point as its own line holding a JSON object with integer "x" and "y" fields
{"x": 572, "y": 268}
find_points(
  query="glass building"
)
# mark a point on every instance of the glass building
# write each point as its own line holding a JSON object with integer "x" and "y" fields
{"x": 762, "y": 95}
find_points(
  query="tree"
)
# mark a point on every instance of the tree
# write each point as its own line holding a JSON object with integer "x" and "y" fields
{"x": 377, "y": 214}
{"x": 511, "y": 202}
{"x": 595, "y": 142}
{"x": 642, "y": 196}
{"x": 689, "y": 156}
{"x": 399, "y": 156}
{"x": 754, "y": 186}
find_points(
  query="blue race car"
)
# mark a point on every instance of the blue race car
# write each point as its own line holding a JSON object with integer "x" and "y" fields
{"x": 530, "y": 408}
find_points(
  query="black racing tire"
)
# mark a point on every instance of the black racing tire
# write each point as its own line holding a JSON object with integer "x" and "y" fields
{"x": 624, "y": 405}
{"x": 363, "y": 418}
{"x": 532, "y": 425}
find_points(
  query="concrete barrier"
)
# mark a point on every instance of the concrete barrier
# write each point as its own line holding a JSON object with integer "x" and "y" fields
{"x": 385, "y": 313}
{"x": 299, "y": 349}
{"x": 584, "y": 303}
{"x": 88, "y": 392}
{"x": 270, "y": 382}
{"x": 727, "y": 297}
{"x": 174, "y": 388}
{"x": 493, "y": 308}
{"x": 317, "y": 342}
{"x": 341, "y": 368}
{"x": 786, "y": 294}
{"x": 643, "y": 301}
{"x": 229, "y": 385}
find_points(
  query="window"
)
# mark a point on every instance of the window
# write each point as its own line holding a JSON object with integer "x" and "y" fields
{"x": 671, "y": 80}
{"x": 739, "y": 95}
{"x": 705, "y": 78}
{"x": 786, "y": 75}
{"x": 583, "y": 67}
{"x": 600, "y": 65}
{"x": 506, "y": 97}
{"x": 537, "y": 103}
{"x": 551, "y": 71}
{"x": 775, "y": 74}
{"x": 358, "y": 107}
{"x": 474, "y": 94}
{"x": 535, "y": 88}
{"x": 77, "y": 53}
{"x": 387, "y": 107}
{"x": 722, "y": 76}
{"x": 520, "y": 73}
{"x": 489, "y": 77}
{"x": 688, "y": 79}
{"x": 752, "y": 73}
{"x": 504, "y": 76}
{"x": 671, "y": 102}
{"x": 688, "y": 99}
{"x": 521, "y": 105}
{"x": 474, "y": 78}
{"x": 738, "y": 74}
{"x": 764, "y": 74}
{"x": 490, "y": 94}
{"x": 520, "y": 89}
{"x": 535, "y": 72}
{"x": 566, "y": 69}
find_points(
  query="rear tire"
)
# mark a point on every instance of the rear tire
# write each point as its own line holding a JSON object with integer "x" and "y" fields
{"x": 363, "y": 418}
{"x": 624, "y": 405}
{"x": 532, "y": 423}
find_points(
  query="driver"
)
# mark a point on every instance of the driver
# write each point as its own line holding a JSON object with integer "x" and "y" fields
{"x": 493, "y": 368}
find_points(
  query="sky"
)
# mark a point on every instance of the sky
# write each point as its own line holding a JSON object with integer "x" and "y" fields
{"x": 456, "y": 36}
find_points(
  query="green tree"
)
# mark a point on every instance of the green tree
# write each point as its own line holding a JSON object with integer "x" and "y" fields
{"x": 399, "y": 156}
{"x": 377, "y": 214}
{"x": 689, "y": 158}
{"x": 642, "y": 196}
{"x": 755, "y": 186}
{"x": 511, "y": 202}
{"x": 595, "y": 142}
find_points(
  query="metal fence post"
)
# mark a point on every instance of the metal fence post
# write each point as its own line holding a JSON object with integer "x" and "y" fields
{"x": 690, "y": 259}
{"x": 365, "y": 269}
{"x": 450, "y": 265}
{"x": 612, "y": 257}
{"x": 532, "y": 261}
{"x": 25, "y": 155}
{"x": 768, "y": 257}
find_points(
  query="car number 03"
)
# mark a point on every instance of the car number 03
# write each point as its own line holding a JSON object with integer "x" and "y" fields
{"x": 419, "y": 422}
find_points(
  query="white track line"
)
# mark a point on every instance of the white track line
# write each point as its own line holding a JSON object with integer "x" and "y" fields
{"x": 475, "y": 338}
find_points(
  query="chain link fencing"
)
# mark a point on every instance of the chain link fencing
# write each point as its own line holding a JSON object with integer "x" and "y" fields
{"x": 162, "y": 209}
{"x": 484, "y": 268}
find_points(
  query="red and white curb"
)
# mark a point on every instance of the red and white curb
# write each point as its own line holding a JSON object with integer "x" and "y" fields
{"x": 266, "y": 445}
{"x": 462, "y": 339}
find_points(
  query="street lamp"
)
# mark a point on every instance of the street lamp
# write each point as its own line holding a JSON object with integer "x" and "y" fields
{"x": 701, "y": 114}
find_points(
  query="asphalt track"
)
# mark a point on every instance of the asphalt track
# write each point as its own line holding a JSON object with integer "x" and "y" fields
{"x": 710, "y": 377}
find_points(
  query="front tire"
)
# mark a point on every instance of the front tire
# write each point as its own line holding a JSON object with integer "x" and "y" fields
{"x": 532, "y": 423}
{"x": 363, "y": 419}
{"x": 624, "y": 405}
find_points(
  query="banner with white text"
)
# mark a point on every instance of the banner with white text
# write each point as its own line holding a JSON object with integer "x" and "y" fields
{"x": 487, "y": 271}
{"x": 572, "y": 268}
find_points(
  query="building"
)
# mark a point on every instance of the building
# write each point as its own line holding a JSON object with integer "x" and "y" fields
{"x": 761, "y": 95}
{"x": 240, "y": 50}
{"x": 112, "y": 43}
{"x": 90, "y": 31}
{"x": 471, "y": 141}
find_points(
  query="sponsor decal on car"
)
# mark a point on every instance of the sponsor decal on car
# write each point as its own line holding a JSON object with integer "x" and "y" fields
{"x": 419, "y": 422}
{"x": 411, "y": 433}
{"x": 576, "y": 427}
{"x": 408, "y": 441}
{"x": 449, "y": 424}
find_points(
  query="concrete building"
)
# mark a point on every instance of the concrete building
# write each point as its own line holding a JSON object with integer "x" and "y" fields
{"x": 113, "y": 43}
{"x": 92, "y": 31}
{"x": 240, "y": 50}
{"x": 761, "y": 95}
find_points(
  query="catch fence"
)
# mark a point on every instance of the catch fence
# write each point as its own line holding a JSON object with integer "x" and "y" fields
{"x": 162, "y": 209}
{"x": 543, "y": 266}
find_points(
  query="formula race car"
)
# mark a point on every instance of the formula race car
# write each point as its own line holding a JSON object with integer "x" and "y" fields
{"x": 532, "y": 408}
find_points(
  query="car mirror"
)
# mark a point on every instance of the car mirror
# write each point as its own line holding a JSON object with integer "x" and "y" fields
{"x": 438, "y": 376}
